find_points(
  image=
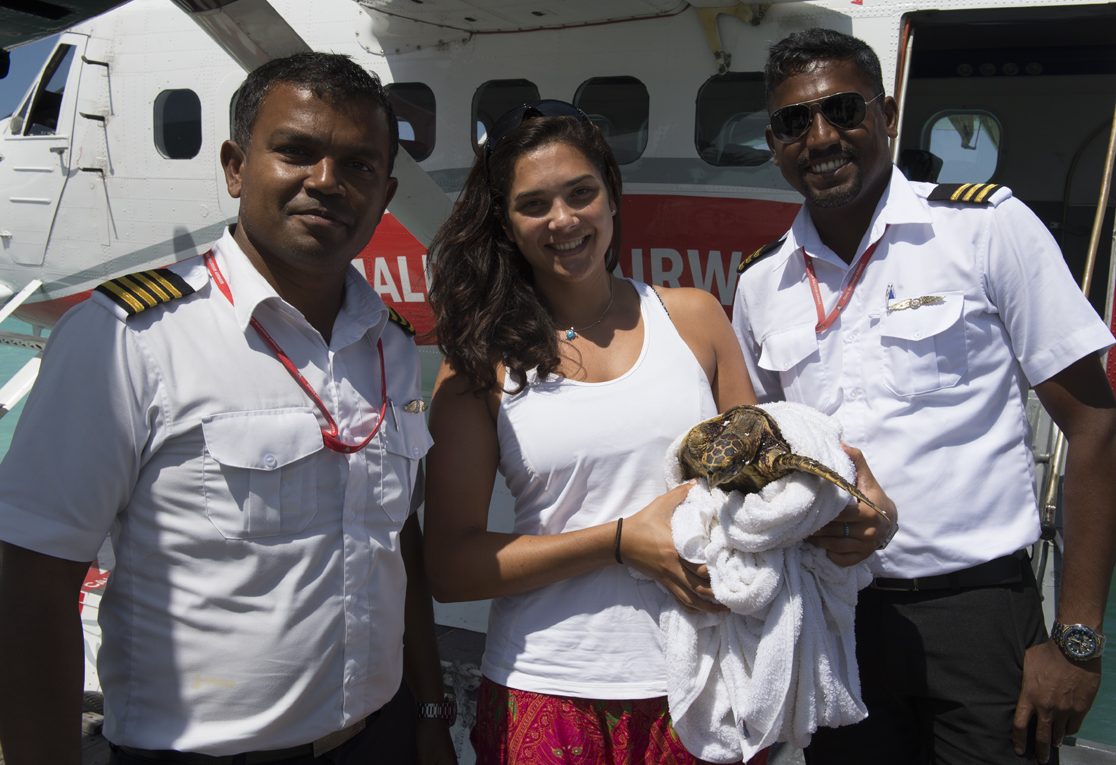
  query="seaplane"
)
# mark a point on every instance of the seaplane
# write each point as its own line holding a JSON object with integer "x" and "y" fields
{"x": 109, "y": 163}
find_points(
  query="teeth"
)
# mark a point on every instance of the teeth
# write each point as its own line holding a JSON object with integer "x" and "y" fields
{"x": 567, "y": 246}
{"x": 829, "y": 165}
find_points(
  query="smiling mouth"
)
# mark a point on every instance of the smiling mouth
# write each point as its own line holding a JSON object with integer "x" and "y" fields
{"x": 567, "y": 246}
{"x": 828, "y": 166}
{"x": 320, "y": 214}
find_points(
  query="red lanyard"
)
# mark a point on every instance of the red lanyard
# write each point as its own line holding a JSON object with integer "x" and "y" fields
{"x": 329, "y": 434}
{"x": 824, "y": 321}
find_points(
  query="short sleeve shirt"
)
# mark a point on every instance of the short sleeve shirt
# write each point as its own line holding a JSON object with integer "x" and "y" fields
{"x": 257, "y": 598}
{"x": 958, "y": 311}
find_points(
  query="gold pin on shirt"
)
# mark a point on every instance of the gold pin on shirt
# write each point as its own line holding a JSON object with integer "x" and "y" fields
{"x": 415, "y": 406}
{"x": 915, "y": 303}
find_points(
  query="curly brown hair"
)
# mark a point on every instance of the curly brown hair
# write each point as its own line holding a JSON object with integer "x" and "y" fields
{"x": 482, "y": 292}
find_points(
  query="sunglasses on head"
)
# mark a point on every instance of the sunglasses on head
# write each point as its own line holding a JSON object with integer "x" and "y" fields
{"x": 513, "y": 118}
{"x": 844, "y": 111}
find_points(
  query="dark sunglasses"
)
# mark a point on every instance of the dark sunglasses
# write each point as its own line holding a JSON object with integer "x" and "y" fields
{"x": 844, "y": 111}
{"x": 513, "y": 118}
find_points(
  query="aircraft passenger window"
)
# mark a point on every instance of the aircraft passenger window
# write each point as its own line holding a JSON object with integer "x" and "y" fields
{"x": 47, "y": 103}
{"x": 619, "y": 106}
{"x": 968, "y": 144}
{"x": 178, "y": 132}
{"x": 414, "y": 108}
{"x": 730, "y": 120}
{"x": 495, "y": 97}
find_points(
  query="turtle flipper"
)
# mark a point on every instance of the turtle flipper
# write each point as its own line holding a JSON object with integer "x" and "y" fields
{"x": 813, "y": 467}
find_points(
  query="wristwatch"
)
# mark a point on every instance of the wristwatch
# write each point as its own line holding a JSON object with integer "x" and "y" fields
{"x": 1078, "y": 642}
{"x": 446, "y": 709}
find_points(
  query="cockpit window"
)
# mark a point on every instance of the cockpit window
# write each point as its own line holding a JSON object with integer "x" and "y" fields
{"x": 730, "y": 120}
{"x": 619, "y": 106}
{"x": 46, "y": 105}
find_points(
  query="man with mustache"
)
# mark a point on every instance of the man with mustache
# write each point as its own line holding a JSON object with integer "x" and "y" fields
{"x": 918, "y": 316}
{"x": 247, "y": 424}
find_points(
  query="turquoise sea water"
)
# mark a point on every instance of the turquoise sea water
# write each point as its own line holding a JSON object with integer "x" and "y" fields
{"x": 1100, "y": 726}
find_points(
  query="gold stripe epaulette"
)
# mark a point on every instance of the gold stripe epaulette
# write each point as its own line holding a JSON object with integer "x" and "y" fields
{"x": 396, "y": 318}
{"x": 137, "y": 292}
{"x": 760, "y": 252}
{"x": 964, "y": 193}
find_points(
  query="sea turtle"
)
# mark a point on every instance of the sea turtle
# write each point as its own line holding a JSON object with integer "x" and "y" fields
{"x": 744, "y": 450}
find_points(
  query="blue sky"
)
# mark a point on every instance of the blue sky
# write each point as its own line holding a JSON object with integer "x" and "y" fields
{"x": 27, "y": 60}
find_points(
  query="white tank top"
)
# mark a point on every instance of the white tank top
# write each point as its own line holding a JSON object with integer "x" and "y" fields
{"x": 577, "y": 454}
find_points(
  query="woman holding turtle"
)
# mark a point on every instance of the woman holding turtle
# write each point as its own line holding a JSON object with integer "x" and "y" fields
{"x": 572, "y": 382}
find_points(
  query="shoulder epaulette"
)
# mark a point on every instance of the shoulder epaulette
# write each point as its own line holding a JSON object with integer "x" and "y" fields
{"x": 760, "y": 252}
{"x": 137, "y": 292}
{"x": 396, "y": 318}
{"x": 964, "y": 193}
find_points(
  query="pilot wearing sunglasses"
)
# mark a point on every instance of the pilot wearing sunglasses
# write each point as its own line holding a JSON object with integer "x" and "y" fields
{"x": 918, "y": 315}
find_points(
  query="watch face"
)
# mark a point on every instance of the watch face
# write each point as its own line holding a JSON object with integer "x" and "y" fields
{"x": 1079, "y": 642}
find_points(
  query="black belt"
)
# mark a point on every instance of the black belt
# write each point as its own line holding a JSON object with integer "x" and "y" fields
{"x": 999, "y": 572}
{"x": 315, "y": 749}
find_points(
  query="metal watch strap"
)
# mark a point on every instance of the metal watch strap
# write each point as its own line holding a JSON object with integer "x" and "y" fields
{"x": 1068, "y": 638}
{"x": 446, "y": 709}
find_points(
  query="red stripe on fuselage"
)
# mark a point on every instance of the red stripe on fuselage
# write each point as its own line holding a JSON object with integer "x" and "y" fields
{"x": 673, "y": 240}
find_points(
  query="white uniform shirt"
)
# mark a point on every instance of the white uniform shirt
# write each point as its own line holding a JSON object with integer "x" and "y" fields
{"x": 257, "y": 599}
{"x": 934, "y": 395}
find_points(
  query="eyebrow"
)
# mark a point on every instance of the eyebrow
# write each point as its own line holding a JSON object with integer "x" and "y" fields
{"x": 572, "y": 182}
{"x": 294, "y": 135}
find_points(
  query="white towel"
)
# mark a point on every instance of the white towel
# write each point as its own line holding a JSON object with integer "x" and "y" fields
{"x": 783, "y": 662}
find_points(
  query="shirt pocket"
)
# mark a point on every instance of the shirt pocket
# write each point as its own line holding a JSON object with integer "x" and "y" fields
{"x": 924, "y": 348}
{"x": 406, "y": 440}
{"x": 795, "y": 356}
{"x": 261, "y": 472}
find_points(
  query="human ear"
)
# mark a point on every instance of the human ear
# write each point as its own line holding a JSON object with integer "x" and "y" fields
{"x": 232, "y": 158}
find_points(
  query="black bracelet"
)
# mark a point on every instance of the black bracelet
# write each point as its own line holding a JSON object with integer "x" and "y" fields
{"x": 616, "y": 544}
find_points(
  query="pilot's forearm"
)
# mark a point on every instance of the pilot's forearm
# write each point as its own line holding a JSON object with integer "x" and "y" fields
{"x": 421, "y": 666}
{"x": 41, "y": 658}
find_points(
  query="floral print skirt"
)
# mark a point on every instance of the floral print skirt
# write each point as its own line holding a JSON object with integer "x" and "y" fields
{"x": 523, "y": 728}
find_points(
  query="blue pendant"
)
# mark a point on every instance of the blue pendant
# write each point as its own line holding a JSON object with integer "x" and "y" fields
{"x": 570, "y": 334}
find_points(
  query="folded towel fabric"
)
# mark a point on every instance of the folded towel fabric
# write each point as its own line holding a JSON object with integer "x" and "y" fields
{"x": 782, "y": 662}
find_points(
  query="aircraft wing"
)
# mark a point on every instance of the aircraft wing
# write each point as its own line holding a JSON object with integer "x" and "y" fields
{"x": 496, "y": 16}
{"x": 22, "y": 22}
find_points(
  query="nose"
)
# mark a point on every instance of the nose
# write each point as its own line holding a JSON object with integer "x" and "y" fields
{"x": 562, "y": 216}
{"x": 323, "y": 176}
{"x": 820, "y": 134}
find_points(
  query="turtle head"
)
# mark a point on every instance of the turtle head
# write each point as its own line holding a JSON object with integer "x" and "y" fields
{"x": 722, "y": 449}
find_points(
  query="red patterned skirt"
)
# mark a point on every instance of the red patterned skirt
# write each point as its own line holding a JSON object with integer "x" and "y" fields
{"x": 523, "y": 728}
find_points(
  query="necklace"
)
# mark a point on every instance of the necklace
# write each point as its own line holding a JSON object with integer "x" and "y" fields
{"x": 572, "y": 332}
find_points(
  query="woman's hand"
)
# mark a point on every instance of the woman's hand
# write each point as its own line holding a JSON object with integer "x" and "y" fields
{"x": 648, "y": 546}
{"x": 858, "y": 531}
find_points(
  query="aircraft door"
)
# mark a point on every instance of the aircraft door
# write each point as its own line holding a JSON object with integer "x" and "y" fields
{"x": 36, "y": 156}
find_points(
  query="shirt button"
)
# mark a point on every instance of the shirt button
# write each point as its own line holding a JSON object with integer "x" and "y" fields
{"x": 270, "y": 461}
{"x": 414, "y": 451}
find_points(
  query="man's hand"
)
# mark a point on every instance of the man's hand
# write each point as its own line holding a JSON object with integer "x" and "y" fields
{"x": 435, "y": 747}
{"x": 1057, "y": 692}
{"x": 858, "y": 531}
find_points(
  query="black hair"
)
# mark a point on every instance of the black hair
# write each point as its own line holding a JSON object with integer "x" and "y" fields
{"x": 331, "y": 77}
{"x": 799, "y": 52}
{"x": 486, "y": 308}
